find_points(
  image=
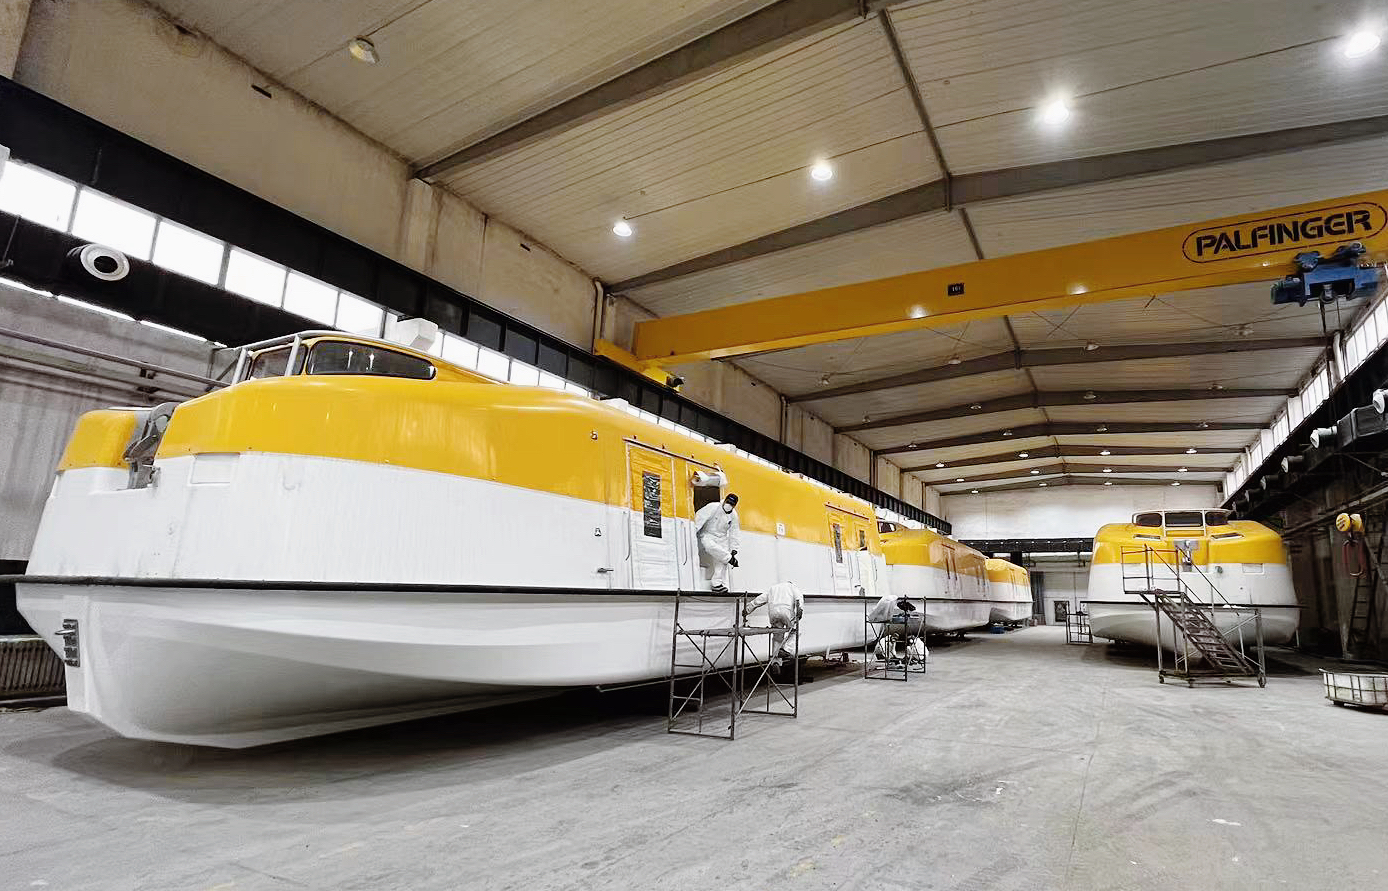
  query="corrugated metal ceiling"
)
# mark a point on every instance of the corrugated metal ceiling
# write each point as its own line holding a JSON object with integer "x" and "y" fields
{"x": 1136, "y": 74}
{"x": 451, "y": 71}
{"x": 717, "y": 161}
{"x": 845, "y": 410}
{"x": 1282, "y": 368}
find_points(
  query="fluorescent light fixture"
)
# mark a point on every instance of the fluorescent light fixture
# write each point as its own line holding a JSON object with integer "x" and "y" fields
{"x": 1055, "y": 112}
{"x": 1361, "y": 43}
{"x": 622, "y": 229}
{"x": 821, "y": 171}
{"x": 959, "y": 480}
{"x": 939, "y": 464}
{"x": 1190, "y": 451}
{"x": 1024, "y": 454}
{"x": 973, "y": 491}
{"x": 1035, "y": 472}
{"x": 1106, "y": 452}
{"x": 1043, "y": 485}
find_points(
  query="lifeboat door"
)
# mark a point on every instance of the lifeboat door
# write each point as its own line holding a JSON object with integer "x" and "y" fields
{"x": 840, "y": 552}
{"x": 652, "y": 529}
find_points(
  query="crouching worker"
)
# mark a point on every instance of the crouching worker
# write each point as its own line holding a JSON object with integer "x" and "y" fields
{"x": 784, "y": 605}
{"x": 718, "y": 530}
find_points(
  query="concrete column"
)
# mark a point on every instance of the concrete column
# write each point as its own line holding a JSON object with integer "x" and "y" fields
{"x": 14, "y": 14}
{"x": 415, "y": 241}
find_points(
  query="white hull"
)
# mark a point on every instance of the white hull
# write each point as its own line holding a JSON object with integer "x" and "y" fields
{"x": 956, "y": 615}
{"x": 1117, "y": 615}
{"x": 237, "y": 667}
{"x": 1010, "y": 612}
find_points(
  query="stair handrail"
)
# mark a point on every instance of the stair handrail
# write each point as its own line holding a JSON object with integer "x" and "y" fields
{"x": 1185, "y": 589}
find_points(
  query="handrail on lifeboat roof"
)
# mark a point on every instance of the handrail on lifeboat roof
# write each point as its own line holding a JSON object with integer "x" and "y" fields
{"x": 296, "y": 339}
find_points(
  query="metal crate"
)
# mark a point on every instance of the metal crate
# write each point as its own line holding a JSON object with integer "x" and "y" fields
{"x": 1354, "y": 688}
{"x": 28, "y": 668}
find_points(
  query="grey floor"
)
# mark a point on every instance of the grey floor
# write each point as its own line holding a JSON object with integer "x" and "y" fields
{"x": 1018, "y": 762}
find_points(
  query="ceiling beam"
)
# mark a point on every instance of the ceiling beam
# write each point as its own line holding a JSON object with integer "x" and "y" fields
{"x": 1051, "y": 398}
{"x": 1067, "y": 451}
{"x": 1063, "y": 467}
{"x": 1066, "y": 480}
{"x": 1010, "y": 182}
{"x": 1019, "y": 359}
{"x": 1068, "y": 429}
{"x": 755, "y": 34}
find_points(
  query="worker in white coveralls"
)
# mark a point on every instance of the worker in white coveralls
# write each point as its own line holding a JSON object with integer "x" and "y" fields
{"x": 785, "y": 605}
{"x": 718, "y": 530}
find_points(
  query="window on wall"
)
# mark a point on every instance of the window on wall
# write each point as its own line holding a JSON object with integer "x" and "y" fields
{"x": 358, "y": 316}
{"x": 254, "y": 277}
{"x": 37, "y": 195}
{"x": 114, "y": 224}
{"x": 188, "y": 252}
{"x": 310, "y": 298}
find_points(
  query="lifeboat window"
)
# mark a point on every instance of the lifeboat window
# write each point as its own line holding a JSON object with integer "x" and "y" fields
{"x": 1217, "y": 517}
{"x": 862, "y": 539}
{"x": 838, "y": 542}
{"x": 348, "y": 357}
{"x": 886, "y": 526}
{"x": 1152, "y": 519}
{"x": 270, "y": 363}
{"x": 1185, "y": 518}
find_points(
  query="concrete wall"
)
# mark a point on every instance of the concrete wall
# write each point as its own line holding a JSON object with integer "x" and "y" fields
{"x": 1064, "y": 512}
{"x": 39, "y": 405}
{"x": 1067, "y": 583}
{"x": 126, "y": 65}
{"x": 888, "y": 477}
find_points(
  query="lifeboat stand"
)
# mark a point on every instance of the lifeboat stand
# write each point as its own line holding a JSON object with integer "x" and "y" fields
{"x": 894, "y": 644}
{"x": 727, "y": 655}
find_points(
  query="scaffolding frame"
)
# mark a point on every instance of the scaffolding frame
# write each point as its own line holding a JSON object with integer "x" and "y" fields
{"x": 1077, "y": 625}
{"x": 727, "y": 654}
{"x": 900, "y": 626}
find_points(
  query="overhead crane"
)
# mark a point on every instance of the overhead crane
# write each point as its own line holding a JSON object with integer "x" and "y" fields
{"x": 1323, "y": 250}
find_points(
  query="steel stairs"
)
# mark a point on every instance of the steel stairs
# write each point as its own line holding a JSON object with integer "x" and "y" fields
{"x": 1202, "y": 650}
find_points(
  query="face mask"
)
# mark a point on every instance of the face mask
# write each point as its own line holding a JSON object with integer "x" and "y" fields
{"x": 727, "y": 508}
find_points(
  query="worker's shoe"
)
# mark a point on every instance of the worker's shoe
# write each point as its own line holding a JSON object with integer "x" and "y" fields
{"x": 785, "y": 654}
{"x": 720, "y": 589}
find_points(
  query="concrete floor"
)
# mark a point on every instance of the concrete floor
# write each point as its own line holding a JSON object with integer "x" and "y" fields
{"x": 1017, "y": 763}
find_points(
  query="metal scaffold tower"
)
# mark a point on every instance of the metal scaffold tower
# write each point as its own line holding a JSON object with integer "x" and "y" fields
{"x": 1210, "y": 638}
{"x": 721, "y": 670}
{"x": 894, "y": 638}
{"x": 1077, "y": 625}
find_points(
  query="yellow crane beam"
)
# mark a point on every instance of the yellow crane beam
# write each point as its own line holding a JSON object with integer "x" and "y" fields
{"x": 1232, "y": 250}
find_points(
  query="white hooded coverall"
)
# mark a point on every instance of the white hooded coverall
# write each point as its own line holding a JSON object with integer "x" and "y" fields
{"x": 784, "y": 604}
{"x": 718, "y": 532}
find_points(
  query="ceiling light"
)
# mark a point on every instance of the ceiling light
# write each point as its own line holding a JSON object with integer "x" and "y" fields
{"x": 976, "y": 406}
{"x": 1007, "y": 433}
{"x": 1216, "y": 386}
{"x": 955, "y": 360}
{"x": 1360, "y": 43}
{"x": 918, "y": 312}
{"x": 1101, "y": 429}
{"x": 1204, "y": 425}
{"x": 1244, "y": 330}
{"x": 1043, "y": 485}
{"x": 1055, "y": 112}
{"x": 1106, "y": 452}
{"x": 1108, "y": 482}
{"x": 1091, "y": 346}
{"x": 939, "y": 464}
{"x": 1036, "y": 471}
{"x": 1091, "y": 395}
{"x": 1190, "y": 451}
{"x": 1108, "y": 470}
{"x": 622, "y": 228}
{"x": 363, "y": 50}
{"x": 1023, "y": 454}
{"x": 959, "y": 480}
{"x": 973, "y": 491}
{"x": 821, "y": 171}
{"x": 1177, "y": 483}
{"x": 824, "y": 381}
{"x": 1180, "y": 470}
{"x": 912, "y": 446}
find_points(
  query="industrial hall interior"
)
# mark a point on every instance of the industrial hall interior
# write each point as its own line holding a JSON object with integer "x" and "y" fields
{"x": 539, "y": 445}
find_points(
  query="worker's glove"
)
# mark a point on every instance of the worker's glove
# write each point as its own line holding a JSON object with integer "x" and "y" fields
{"x": 798, "y": 613}
{"x": 732, "y": 561}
